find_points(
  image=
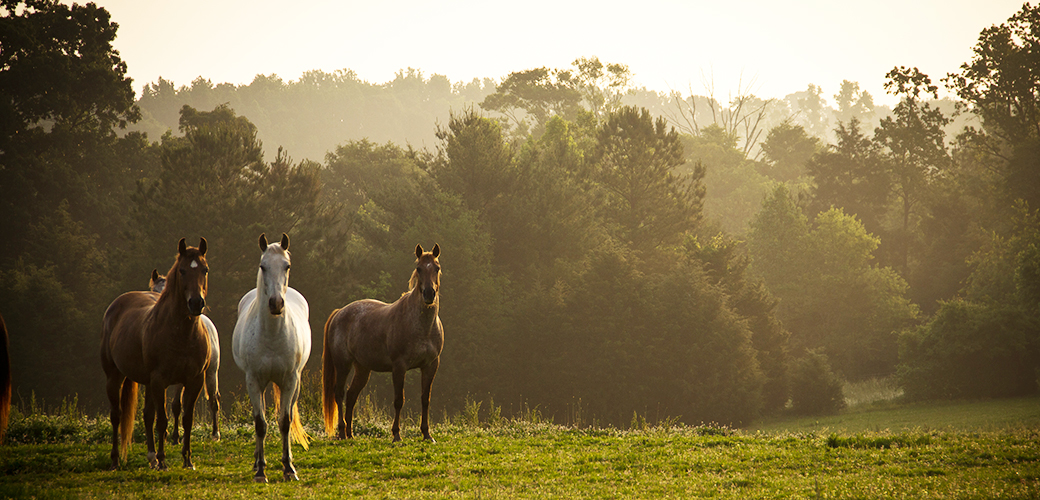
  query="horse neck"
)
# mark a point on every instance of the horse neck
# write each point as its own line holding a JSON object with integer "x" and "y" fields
{"x": 426, "y": 315}
{"x": 168, "y": 310}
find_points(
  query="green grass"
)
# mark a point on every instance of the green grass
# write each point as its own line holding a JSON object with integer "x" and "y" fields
{"x": 955, "y": 450}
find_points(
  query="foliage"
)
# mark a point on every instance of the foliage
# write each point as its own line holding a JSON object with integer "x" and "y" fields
{"x": 786, "y": 151}
{"x": 733, "y": 186}
{"x": 1000, "y": 86}
{"x": 64, "y": 181}
{"x": 915, "y": 143}
{"x": 542, "y": 93}
{"x": 815, "y": 389}
{"x": 971, "y": 350}
{"x": 831, "y": 294}
{"x": 635, "y": 157}
{"x": 986, "y": 344}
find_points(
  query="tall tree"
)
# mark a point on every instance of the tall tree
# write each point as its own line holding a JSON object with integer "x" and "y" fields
{"x": 636, "y": 156}
{"x": 853, "y": 102}
{"x": 1000, "y": 85}
{"x": 915, "y": 143}
{"x": 65, "y": 177}
{"x": 851, "y": 175}
{"x": 786, "y": 151}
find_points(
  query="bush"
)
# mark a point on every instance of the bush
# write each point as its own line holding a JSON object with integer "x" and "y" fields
{"x": 971, "y": 350}
{"x": 815, "y": 390}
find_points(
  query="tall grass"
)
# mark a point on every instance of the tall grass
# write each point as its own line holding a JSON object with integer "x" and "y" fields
{"x": 871, "y": 391}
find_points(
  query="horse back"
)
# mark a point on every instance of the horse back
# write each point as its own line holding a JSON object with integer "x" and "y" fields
{"x": 122, "y": 343}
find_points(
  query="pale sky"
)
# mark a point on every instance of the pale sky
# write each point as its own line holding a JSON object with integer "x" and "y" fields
{"x": 775, "y": 47}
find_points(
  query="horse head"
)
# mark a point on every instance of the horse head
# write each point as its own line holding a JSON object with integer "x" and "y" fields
{"x": 190, "y": 274}
{"x": 272, "y": 280}
{"x": 157, "y": 282}
{"x": 427, "y": 275}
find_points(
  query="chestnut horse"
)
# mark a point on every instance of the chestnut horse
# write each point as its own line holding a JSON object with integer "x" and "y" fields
{"x": 271, "y": 343}
{"x": 369, "y": 335}
{"x": 156, "y": 284}
{"x": 157, "y": 340}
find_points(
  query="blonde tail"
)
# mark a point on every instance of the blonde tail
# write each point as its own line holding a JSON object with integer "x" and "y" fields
{"x": 296, "y": 431}
{"x": 328, "y": 381}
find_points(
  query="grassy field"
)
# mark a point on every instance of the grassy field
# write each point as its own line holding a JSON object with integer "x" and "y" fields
{"x": 949, "y": 450}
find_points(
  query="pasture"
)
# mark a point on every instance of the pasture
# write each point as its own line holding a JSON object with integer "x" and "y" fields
{"x": 985, "y": 450}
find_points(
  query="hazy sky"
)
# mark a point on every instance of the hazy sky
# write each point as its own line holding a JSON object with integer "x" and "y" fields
{"x": 774, "y": 46}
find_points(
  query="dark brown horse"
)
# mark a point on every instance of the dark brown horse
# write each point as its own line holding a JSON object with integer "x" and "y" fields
{"x": 157, "y": 340}
{"x": 369, "y": 335}
{"x": 156, "y": 284}
{"x": 5, "y": 380}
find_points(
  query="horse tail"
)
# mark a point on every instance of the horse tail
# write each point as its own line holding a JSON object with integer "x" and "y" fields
{"x": 328, "y": 380}
{"x": 296, "y": 431}
{"x": 128, "y": 404}
{"x": 5, "y": 381}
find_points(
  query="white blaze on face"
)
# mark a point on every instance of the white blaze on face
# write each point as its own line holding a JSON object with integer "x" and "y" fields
{"x": 194, "y": 264}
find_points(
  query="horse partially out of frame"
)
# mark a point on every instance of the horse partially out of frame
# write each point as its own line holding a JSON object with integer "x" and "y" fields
{"x": 156, "y": 284}
{"x": 369, "y": 335}
{"x": 271, "y": 343}
{"x": 157, "y": 340}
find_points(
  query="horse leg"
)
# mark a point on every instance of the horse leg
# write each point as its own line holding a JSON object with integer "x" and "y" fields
{"x": 339, "y": 392}
{"x": 398, "y": 376}
{"x": 190, "y": 393}
{"x": 149, "y": 425}
{"x": 290, "y": 393}
{"x": 178, "y": 391}
{"x": 213, "y": 392}
{"x": 357, "y": 383}
{"x": 428, "y": 373}
{"x": 114, "y": 387}
{"x": 256, "y": 397}
{"x": 158, "y": 398}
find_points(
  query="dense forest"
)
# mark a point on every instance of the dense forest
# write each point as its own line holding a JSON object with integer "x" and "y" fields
{"x": 607, "y": 251}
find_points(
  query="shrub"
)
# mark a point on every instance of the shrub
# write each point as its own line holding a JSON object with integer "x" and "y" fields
{"x": 971, "y": 350}
{"x": 815, "y": 390}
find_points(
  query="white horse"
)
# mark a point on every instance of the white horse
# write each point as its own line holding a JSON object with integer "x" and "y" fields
{"x": 271, "y": 343}
{"x": 156, "y": 284}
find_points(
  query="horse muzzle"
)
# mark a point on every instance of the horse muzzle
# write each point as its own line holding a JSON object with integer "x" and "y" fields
{"x": 196, "y": 305}
{"x": 276, "y": 305}
{"x": 429, "y": 295}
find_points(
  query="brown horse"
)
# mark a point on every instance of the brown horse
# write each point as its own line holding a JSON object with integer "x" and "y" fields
{"x": 5, "y": 380}
{"x": 156, "y": 284}
{"x": 157, "y": 340}
{"x": 369, "y": 335}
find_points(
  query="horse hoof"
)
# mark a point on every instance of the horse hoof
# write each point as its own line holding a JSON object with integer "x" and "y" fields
{"x": 189, "y": 466}
{"x": 216, "y": 436}
{"x": 260, "y": 479}
{"x": 152, "y": 462}
{"x": 429, "y": 439}
{"x": 291, "y": 477}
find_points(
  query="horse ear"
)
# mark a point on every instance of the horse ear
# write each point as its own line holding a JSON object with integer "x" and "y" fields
{"x": 202, "y": 246}
{"x": 436, "y": 250}
{"x": 182, "y": 247}
{"x": 263, "y": 242}
{"x": 155, "y": 274}
{"x": 285, "y": 241}
{"x": 418, "y": 251}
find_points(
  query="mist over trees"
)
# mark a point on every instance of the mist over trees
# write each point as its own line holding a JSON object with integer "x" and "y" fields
{"x": 609, "y": 253}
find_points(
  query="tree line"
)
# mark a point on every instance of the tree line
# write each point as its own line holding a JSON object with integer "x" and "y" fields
{"x": 607, "y": 251}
